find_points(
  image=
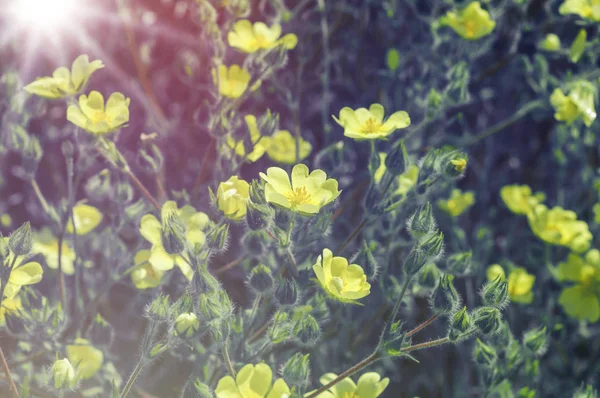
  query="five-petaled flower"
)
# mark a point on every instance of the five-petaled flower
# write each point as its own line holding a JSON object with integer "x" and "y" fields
{"x": 233, "y": 81}
{"x": 343, "y": 282}
{"x": 369, "y": 124}
{"x": 92, "y": 115}
{"x": 64, "y": 83}
{"x": 232, "y": 198}
{"x": 284, "y": 148}
{"x": 370, "y": 385}
{"x": 582, "y": 299}
{"x": 252, "y": 381}
{"x": 306, "y": 194}
{"x": 471, "y": 23}
{"x": 578, "y": 104}
{"x": 248, "y": 37}
{"x": 558, "y": 226}
{"x": 588, "y": 9}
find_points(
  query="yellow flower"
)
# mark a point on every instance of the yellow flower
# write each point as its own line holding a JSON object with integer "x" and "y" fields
{"x": 232, "y": 197}
{"x": 458, "y": 202}
{"x": 520, "y": 284}
{"x": 459, "y": 164}
{"x": 232, "y": 81}
{"x": 550, "y": 43}
{"x": 145, "y": 275}
{"x": 368, "y": 124}
{"x": 282, "y": 147}
{"x": 21, "y": 274}
{"x": 346, "y": 283}
{"x": 87, "y": 359}
{"x": 250, "y": 38}
{"x": 255, "y": 137}
{"x": 87, "y": 218}
{"x": 470, "y": 23}
{"x": 370, "y": 385}
{"x": 252, "y": 381}
{"x": 581, "y": 300}
{"x": 559, "y": 227}
{"x": 9, "y": 307}
{"x": 306, "y": 194}
{"x": 94, "y": 117}
{"x": 406, "y": 180}
{"x": 63, "y": 82}
{"x": 46, "y": 244}
{"x": 194, "y": 222}
{"x": 578, "y": 104}
{"x": 588, "y": 9}
{"x": 518, "y": 198}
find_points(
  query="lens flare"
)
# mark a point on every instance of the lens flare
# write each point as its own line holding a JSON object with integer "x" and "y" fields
{"x": 44, "y": 15}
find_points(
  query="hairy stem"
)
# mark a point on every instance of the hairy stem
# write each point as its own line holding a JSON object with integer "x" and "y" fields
{"x": 11, "y": 382}
{"x": 131, "y": 381}
{"x": 227, "y": 360}
{"x": 40, "y": 196}
{"x": 422, "y": 326}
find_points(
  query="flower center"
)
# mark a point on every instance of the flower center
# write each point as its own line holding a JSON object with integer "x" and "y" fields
{"x": 99, "y": 117}
{"x": 298, "y": 196}
{"x": 371, "y": 126}
{"x": 349, "y": 395}
{"x": 261, "y": 41}
{"x": 470, "y": 28}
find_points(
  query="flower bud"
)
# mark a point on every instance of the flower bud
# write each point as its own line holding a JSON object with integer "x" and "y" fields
{"x": 268, "y": 123}
{"x": 279, "y": 330}
{"x": 217, "y": 238}
{"x": 495, "y": 293}
{"x": 186, "y": 325}
{"x": 21, "y": 240}
{"x": 256, "y": 193}
{"x": 456, "y": 164}
{"x": 159, "y": 309}
{"x": 414, "y": 262}
{"x": 202, "y": 390}
{"x": 261, "y": 280}
{"x": 282, "y": 219}
{"x": 460, "y": 323}
{"x": 485, "y": 355}
{"x": 432, "y": 246}
{"x": 396, "y": 162}
{"x": 445, "y": 298}
{"x": 429, "y": 276}
{"x": 307, "y": 330}
{"x": 256, "y": 218}
{"x": 296, "y": 370}
{"x": 63, "y": 374}
{"x": 286, "y": 293}
{"x": 536, "y": 341}
{"x": 173, "y": 234}
{"x": 422, "y": 222}
{"x": 487, "y": 319}
{"x": 374, "y": 200}
{"x": 459, "y": 263}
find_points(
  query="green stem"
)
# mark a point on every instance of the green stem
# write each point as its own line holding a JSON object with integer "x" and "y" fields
{"x": 521, "y": 113}
{"x": 422, "y": 326}
{"x": 227, "y": 360}
{"x": 362, "y": 364}
{"x": 40, "y": 196}
{"x": 350, "y": 238}
{"x": 427, "y": 344}
{"x": 134, "y": 375}
{"x": 392, "y": 316}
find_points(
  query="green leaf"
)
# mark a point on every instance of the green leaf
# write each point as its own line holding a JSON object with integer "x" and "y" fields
{"x": 578, "y": 46}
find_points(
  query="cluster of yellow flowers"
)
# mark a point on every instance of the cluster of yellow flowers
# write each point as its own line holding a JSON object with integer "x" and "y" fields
{"x": 90, "y": 113}
{"x": 256, "y": 381}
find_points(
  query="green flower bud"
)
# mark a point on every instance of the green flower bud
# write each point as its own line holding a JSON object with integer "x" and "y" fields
{"x": 414, "y": 262}
{"x": 422, "y": 222}
{"x": 256, "y": 219}
{"x": 173, "y": 234}
{"x": 485, "y": 355}
{"x": 261, "y": 280}
{"x": 445, "y": 299}
{"x": 429, "y": 276}
{"x": 268, "y": 123}
{"x": 283, "y": 218}
{"x": 218, "y": 237}
{"x": 256, "y": 193}
{"x": 63, "y": 374}
{"x": 186, "y": 325}
{"x": 432, "y": 246}
{"x": 488, "y": 319}
{"x": 307, "y": 330}
{"x": 286, "y": 293}
{"x": 459, "y": 263}
{"x": 159, "y": 309}
{"x": 21, "y": 240}
{"x": 536, "y": 341}
{"x": 296, "y": 370}
{"x": 203, "y": 390}
{"x": 396, "y": 162}
{"x": 514, "y": 355}
{"x": 460, "y": 323}
{"x": 279, "y": 330}
{"x": 495, "y": 293}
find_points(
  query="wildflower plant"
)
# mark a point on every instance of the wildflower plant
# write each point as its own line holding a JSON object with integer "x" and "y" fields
{"x": 355, "y": 195}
